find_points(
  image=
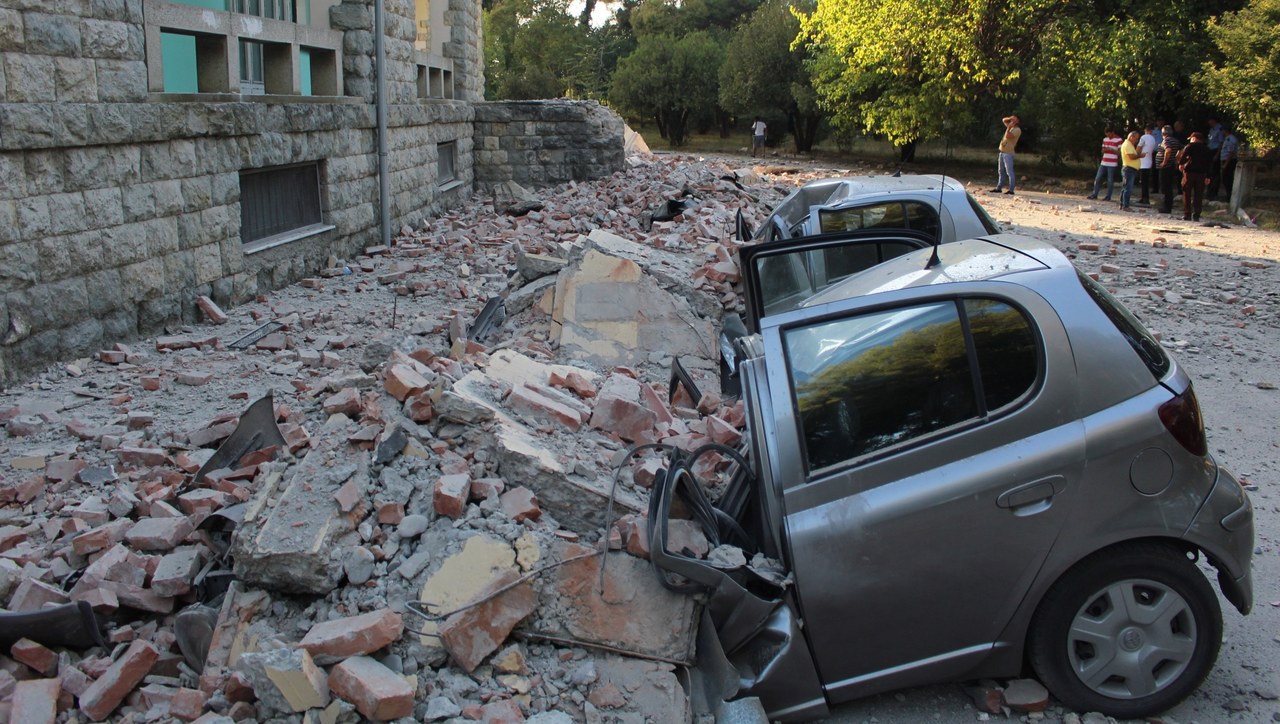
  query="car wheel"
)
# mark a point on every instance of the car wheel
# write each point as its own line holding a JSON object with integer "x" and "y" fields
{"x": 1128, "y": 632}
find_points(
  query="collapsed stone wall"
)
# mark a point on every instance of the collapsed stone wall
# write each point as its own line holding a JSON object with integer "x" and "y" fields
{"x": 542, "y": 143}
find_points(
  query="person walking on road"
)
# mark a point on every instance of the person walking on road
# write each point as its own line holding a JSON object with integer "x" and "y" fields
{"x": 1110, "y": 159}
{"x": 1004, "y": 161}
{"x": 758, "y": 131}
{"x": 1195, "y": 159}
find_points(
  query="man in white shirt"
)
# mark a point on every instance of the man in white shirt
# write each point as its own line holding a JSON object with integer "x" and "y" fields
{"x": 758, "y": 130}
{"x": 1147, "y": 147}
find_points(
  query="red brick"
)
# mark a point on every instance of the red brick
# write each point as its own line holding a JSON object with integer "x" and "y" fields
{"x": 345, "y": 401}
{"x": 390, "y": 513}
{"x": 112, "y": 357}
{"x": 141, "y": 457}
{"x": 520, "y": 504}
{"x": 23, "y": 491}
{"x": 473, "y": 633}
{"x": 575, "y": 381}
{"x": 193, "y": 378}
{"x": 624, "y": 418}
{"x": 273, "y": 342}
{"x": 331, "y": 640}
{"x": 656, "y": 404}
{"x": 506, "y": 711}
{"x": 100, "y": 538}
{"x": 150, "y": 383}
{"x": 159, "y": 534}
{"x": 378, "y": 692}
{"x": 32, "y": 595}
{"x": 105, "y": 694}
{"x": 485, "y": 488}
{"x": 646, "y": 471}
{"x": 35, "y": 655}
{"x": 202, "y": 500}
{"x": 212, "y": 311}
{"x": 175, "y": 572}
{"x": 542, "y": 408}
{"x": 450, "y": 494}
{"x": 420, "y": 408}
{"x": 35, "y": 701}
{"x": 187, "y": 704}
{"x": 721, "y": 431}
{"x": 402, "y": 380}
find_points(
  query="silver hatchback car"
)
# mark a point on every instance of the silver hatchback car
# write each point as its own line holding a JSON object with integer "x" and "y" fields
{"x": 955, "y": 466}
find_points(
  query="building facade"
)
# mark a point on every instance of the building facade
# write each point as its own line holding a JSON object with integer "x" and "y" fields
{"x": 154, "y": 151}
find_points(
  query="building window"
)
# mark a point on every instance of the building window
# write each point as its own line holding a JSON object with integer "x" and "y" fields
{"x": 252, "y": 78}
{"x": 445, "y": 163}
{"x": 279, "y": 204}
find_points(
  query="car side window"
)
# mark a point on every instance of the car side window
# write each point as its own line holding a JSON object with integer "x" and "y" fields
{"x": 872, "y": 381}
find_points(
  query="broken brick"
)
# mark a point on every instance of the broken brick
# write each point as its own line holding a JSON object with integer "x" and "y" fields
{"x": 378, "y": 692}
{"x": 35, "y": 655}
{"x": 449, "y": 496}
{"x": 520, "y": 504}
{"x": 475, "y": 632}
{"x": 159, "y": 534}
{"x": 187, "y": 704}
{"x": 329, "y": 641}
{"x": 104, "y": 695}
{"x": 543, "y": 408}
{"x": 402, "y": 381}
{"x": 345, "y": 401}
{"x": 211, "y": 310}
{"x": 35, "y": 701}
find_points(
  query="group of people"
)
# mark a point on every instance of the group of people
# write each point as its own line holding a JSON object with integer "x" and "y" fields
{"x": 1191, "y": 165}
{"x": 1164, "y": 155}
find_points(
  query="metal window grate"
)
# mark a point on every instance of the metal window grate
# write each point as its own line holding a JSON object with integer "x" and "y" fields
{"x": 445, "y": 163}
{"x": 277, "y": 200}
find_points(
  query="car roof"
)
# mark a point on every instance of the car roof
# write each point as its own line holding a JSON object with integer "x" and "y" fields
{"x": 970, "y": 260}
{"x": 836, "y": 191}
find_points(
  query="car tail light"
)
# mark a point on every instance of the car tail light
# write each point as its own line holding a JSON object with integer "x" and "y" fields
{"x": 1181, "y": 417}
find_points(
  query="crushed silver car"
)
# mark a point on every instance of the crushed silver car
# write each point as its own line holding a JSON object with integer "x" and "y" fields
{"x": 958, "y": 461}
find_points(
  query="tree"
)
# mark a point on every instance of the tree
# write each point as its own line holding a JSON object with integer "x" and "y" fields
{"x": 671, "y": 80}
{"x": 762, "y": 72}
{"x": 535, "y": 49}
{"x": 903, "y": 68}
{"x": 1247, "y": 80}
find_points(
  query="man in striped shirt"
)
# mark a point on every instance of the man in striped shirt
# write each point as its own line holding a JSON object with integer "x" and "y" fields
{"x": 1110, "y": 160}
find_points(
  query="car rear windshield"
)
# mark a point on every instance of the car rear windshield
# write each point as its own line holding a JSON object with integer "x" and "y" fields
{"x": 987, "y": 222}
{"x": 1148, "y": 349}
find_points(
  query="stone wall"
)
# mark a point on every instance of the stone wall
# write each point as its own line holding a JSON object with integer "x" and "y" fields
{"x": 118, "y": 207}
{"x": 542, "y": 143}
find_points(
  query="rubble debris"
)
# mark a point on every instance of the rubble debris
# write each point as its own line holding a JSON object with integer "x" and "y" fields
{"x": 364, "y": 634}
{"x": 285, "y": 541}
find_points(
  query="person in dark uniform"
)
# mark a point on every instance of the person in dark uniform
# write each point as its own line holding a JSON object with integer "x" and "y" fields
{"x": 1195, "y": 160}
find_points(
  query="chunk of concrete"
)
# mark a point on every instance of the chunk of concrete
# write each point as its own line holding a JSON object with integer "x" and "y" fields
{"x": 632, "y": 614}
{"x": 288, "y": 537}
{"x": 285, "y": 680}
{"x": 462, "y": 576}
{"x": 610, "y": 312}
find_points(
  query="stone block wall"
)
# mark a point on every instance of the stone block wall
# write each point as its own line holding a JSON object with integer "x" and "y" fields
{"x": 542, "y": 143}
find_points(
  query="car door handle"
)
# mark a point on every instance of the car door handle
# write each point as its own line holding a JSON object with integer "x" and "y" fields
{"x": 1033, "y": 492}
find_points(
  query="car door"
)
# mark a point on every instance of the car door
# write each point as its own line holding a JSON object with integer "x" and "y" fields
{"x": 929, "y": 446}
{"x": 777, "y": 276}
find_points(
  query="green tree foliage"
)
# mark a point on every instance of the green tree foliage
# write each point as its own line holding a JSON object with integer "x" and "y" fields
{"x": 762, "y": 73}
{"x": 901, "y": 68}
{"x": 671, "y": 80}
{"x": 537, "y": 49}
{"x": 1247, "y": 80}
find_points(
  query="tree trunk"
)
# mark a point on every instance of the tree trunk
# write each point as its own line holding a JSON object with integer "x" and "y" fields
{"x": 805, "y": 127}
{"x": 662, "y": 126}
{"x": 724, "y": 121}
{"x": 676, "y": 125}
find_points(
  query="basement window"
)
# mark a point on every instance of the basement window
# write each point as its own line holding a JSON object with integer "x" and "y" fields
{"x": 280, "y": 204}
{"x": 446, "y": 156}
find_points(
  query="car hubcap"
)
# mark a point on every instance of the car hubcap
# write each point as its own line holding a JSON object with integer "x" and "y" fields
{"x": 1132, "y": 639}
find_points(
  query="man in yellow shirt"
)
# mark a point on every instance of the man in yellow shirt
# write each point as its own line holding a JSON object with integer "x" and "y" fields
{"x": 1131, "y": 157}
{"x": 1004, "y": 162}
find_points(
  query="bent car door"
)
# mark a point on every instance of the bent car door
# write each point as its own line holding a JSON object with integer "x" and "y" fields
{"x": 927, "y": 439}
{"x": 777, "y": 276}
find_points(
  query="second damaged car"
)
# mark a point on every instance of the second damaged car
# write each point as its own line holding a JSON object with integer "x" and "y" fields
{"x": 959, "y": 462}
